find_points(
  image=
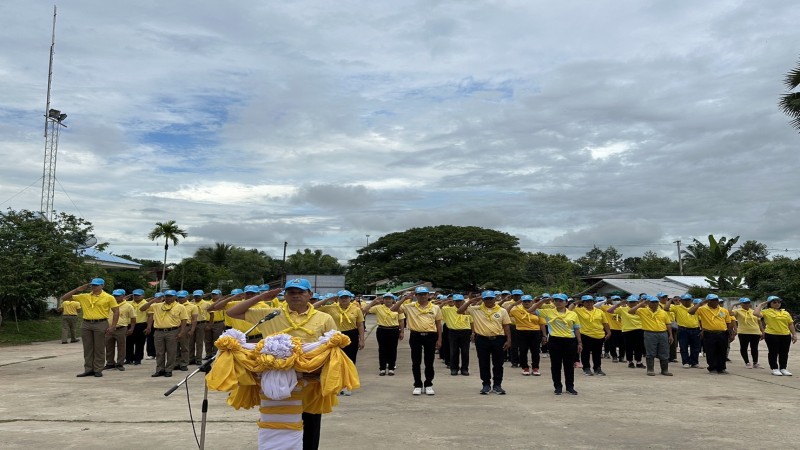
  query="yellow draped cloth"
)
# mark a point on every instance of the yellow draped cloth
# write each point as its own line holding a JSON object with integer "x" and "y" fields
{"x": 236, "y": 371}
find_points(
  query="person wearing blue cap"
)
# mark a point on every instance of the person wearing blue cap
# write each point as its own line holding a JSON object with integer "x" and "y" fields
{"x": 425, "y": 326}
{"x": 564, "y": 340}
{"x": 688, "y": 331}
{"x": 459, "y": 327}
{"x": 135, "y": 343}
{"x": 531, "y": 331}
{"x": 717, "y": 325}
{"x": 97, "y": 307}
{"x": 117, "y": 339}
{"x": 631, "y": 331}
{"x": 198, "y": 338}
{"x": 491, "y": 327}
{"x": 779, "y": 334}
{"x": 169, "y": 320}
{"x": 513, "y": 297}
{"x": 389, "y": 332}
{"x": 150, "y": 345}
{"x": 184, "y": 342}
{"x": 594, "y": 331}
{"x": 749, "y": 329}
{"x": 657, "y": 333}
{"x": 69, "y": 320}
{"x": 615, "y": 346}
{"x": 349, "y": 320}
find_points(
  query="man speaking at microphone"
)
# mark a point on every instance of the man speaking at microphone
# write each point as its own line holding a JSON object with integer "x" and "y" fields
{"x": 296, "y": 318}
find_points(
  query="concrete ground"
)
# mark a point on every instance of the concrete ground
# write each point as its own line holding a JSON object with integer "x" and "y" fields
{"x": 43, "y": 405}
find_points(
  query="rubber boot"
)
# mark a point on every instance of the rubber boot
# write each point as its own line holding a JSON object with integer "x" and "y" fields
{"x": 665, "y": 368}
{"x": 651, "y": 367}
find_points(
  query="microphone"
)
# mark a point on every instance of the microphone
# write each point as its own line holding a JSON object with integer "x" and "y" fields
{"x": 270, "y": 316}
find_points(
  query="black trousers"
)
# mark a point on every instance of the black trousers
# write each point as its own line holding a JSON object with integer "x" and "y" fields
{"x": 459, "y": 349}
{"x": 513, "y": 352}
{"x": 490, "y": 358}
{"x": 388, "y": 339}
{"x": 716, "y": 348}
{"x": 134, "y": 345}
{"x": 444, "y": 351}
{"x": 562, "y": 354}
{"x": 749, "y": 340}
{"x": 312, "y": 423}
{"x": 616, "y": 345}
{"x": 634, "y": 345}
{"x": 529, "y": 341}
{"x": 151, "y": 343}
{"x": 423, "y": 347}
{"x": 352, "y": 348}
{"x": 778, "y": 350}
{"x": 592, "y": 347}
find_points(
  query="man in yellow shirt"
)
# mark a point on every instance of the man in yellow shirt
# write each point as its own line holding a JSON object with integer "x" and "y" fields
{"x": 135, "y": 343}
{"x": 657, "y": 333}
{"x": 492, "y": 329}
{"x": 297, "y": 318}
{"x": 197, "y": 340}
{"x": 594, "y": 331}
{"x": 169, "y": 320}
{"x": 459, "y": 327}
{"x": 688, "y": 331}
{"x": 425, "y": 324}
{"x": 69, "y": 320}
{"x": 389, "y": 332}
{"x": 184, "y": 342}
{"x": 749, "y": 329}
{"x": 97, "y": 306}
{"x": 124, "y": 328}
{"x": 631, "y": 331}
{"x": 215, "y": 326}
{"x": 530, "y": 333}
{"x": 717, "y": 325}
{"x": 349, "y": 320}
{"x": 614, "y": 347}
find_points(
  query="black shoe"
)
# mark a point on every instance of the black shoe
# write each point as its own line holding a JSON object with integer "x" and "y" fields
{"x": 85, "y": 374}
{"x": 498, "y": 390}
{"x": 183, "y": 368}
{"x": 454, "y": 372}
{"x": 722, "y": 372}
{"x": 158, "y": 374}
{"x": 485, "y": 390}
{"x": 465, "y": 372}
{"x": 640, "y": 366}
{"x": 75, "y": 340}
{"x": 98, "y": 374}
{"x": 120, "y": 368}
{"x": 599, "y": 372}
{"x": 631, "y": 365}
{"x": 136, "y": 363}
{"x": 168, "y": 374}
{"x": 109, "y": 366}
{"x": 572, "y": 391}
{"x": 673, "y": 360}
{"x": 557, "y": 391}
{"x": 65, "y": 342}
{"x": 587, "y": 372}
{"x": 514, "y": 365}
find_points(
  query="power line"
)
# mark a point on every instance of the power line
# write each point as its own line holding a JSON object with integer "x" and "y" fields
{"x": 70, "y": 198}
{"x": 20, "y": 192}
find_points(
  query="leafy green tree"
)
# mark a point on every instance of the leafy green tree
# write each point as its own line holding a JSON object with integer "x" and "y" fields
{"x": 653, "y": 266}
{"x": 790, "y": 102}
{"x": 753, "y": 251}
{"x": 780, "y": 277}
{"x": 191, "y": 274}
{"x": 39, "y": 260}
{"x": 252, "y": 267}
{"x": 545, "y": 272}
{"x": 597, "y": 261}
{"x": 315, "y": 262}
{"x": 170, "y": 232}
{"x": 717, "y": 260}
{"x": 449, "y": 256}
{"x": 218, "y": 255}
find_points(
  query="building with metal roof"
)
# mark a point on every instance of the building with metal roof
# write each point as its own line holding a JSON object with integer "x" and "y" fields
{"x": 651, "y": 286}
{"x": 108, "y": 261}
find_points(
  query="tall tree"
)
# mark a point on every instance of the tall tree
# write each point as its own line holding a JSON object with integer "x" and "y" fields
{"x": 780, "y": 277}
{"x": 790, "y": 102}
{"x": 753, "y": 251}
{"x": 315, "y": 262}
{"x": 557, "y": 272}
{"x": 597, "y": 261}
{"x": 217, "y": 255}
{"x": 717, "y": 260}
{"x": 170, "y": 232}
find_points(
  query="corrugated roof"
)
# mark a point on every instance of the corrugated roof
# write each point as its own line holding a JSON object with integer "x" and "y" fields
{"x": 690, "y": 281}
{"x": 110, "y": 260}
{"x": 650, "y": 286}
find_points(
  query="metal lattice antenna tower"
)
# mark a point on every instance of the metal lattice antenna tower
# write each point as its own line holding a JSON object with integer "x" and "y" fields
{"x": 52, "y": 125}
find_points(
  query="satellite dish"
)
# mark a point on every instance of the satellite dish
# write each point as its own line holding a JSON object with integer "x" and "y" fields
{"x": 90, "y": 242}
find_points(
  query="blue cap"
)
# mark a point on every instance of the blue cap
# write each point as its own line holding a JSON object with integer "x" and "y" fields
{"x": 616, "y": 297}
{"x": 712, "y": 297}
{"x": 507, "y": 292}
{"x": 263, "y": 287}
{"x": 527, "y": 298}
{"x": 744, "y": 300}
{"x": 389, "y": 295}
{"x": 98, "y": 282}
{"x": 686, "y": 297}
{"x": 652, "y": 298}
{"x": 517, "y": 292}
{"x": 315, "y": 296}
{"x": 345, "y": 293}
{"x": 560, "y": 297}
{"x": 330, "y": 295}
{"x": 237, "y": 292}
{"x": 217, "y": 292}
{"x": 118, "y": 292}
{"x": 545, "y": 295}
{"x": 421, "y": 290}
{"x": 497, "y": 292}
{"x": 697, "y": 301}
{"x": 158, "y": 294}
{"x": 633, "y": 298}
{"x": 458, "y": 297}
{"x": 198, "y": 293}
{"x": 773, "y": 297}
{"x": 169, "y": 293}
{"x": 661, "y": 294}
{"x": 138, "y": 292}
{"x": 488, "y": 294}
{"x": 587, "y": 298}
{"x": 600, "y": 299}
{"x": 441, "y": 297}
{"x": 252, "y": 289}
{"x": 299, "y": 283}
{"x": 182, "y": 294}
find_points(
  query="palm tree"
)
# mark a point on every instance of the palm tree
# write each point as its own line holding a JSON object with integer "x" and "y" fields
{"x": 217, "y": 255}
{"x": 790, "y": 102}
{"x": 170, "y": 232}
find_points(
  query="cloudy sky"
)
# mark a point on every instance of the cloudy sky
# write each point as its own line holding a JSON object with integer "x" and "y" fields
{"x": 568, "y": 124}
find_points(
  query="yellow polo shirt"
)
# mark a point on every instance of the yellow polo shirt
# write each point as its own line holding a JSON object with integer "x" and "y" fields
{"x": 653, "y": 320}
{"x": 613, "y": 319}
{"x": 70, "y": 307}
{"x": 714, "y": 319}
{"x": 454, "y": 320}
{"x": 385, "y": 316}
{"x": 683, "y": 318}
{"x": 126, "y": 313}
{"x": 167, "y": 316}
{"x": 141, "y": 316}
{"x": 592, "y": 322}
{"x": 489, "y": 321}
{"x": 746, "y": 322}
{"x": 525, "y": 320}
{"x": 202, "y": 310}
{"x": 191, "y": 310}
{"x": 777, "y": 322}
{"x": 96, "y": 307}
{"x": 346, "y": 319}
{"x": 419, "y": 319}
{"x": 560, "y": 324}
{"x": 629, "y": 322}
{"x": 308, "y": 326}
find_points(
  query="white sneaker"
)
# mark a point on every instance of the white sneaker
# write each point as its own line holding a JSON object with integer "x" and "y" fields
{"x": 429, "y": 390}
{"x": 749, "y": 366}
{"x": 686, "y": 366}
{"x": 417, "y": 391}
{"x": 786, "y": 373}
{"x": 777, "y": 373}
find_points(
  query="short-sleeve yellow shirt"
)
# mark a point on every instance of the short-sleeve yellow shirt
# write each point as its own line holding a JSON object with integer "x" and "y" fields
{"x": 777, "y": 322}
{"x": 96, "y": 307}
{"x": 489, "y": 321}
{"x": 70, "y": 308}
{"x": 419, "y": 319}
{"x": 346, "y": 319}
{"x": 592, "y": 322}
{"x": 386, "y": 317}
{"x": 167, "y": 316}
{"x": 525, "y": 320}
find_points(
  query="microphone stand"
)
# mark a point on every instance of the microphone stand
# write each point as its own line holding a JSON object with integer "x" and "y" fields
{"x": 205, "y": 367}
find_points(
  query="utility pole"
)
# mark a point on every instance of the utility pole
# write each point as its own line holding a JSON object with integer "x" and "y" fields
{"x": 680, "y": 257}
{"x": 367, "y": 240}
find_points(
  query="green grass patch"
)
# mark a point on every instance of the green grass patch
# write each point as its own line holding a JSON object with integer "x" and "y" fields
{"x": 48, "y": 329}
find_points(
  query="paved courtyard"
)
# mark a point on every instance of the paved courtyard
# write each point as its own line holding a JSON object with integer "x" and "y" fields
{"x": 43, "y": 405}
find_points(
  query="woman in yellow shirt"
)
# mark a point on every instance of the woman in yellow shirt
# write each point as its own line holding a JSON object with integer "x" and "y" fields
{"x": 564, "y": 342}
{"x": 749, "y": 329}
{"x": 389, "y": 332}
{"x": 779, "y": 334}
